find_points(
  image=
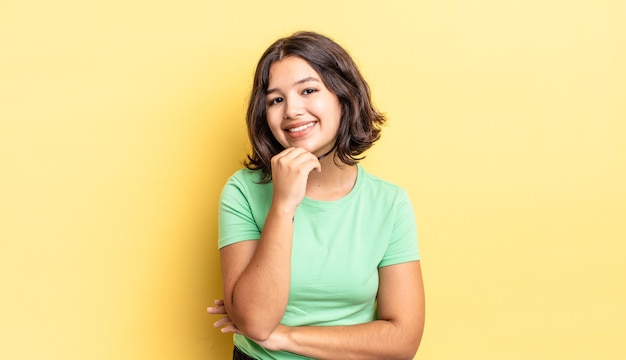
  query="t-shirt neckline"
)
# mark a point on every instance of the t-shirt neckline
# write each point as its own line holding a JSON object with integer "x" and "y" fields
{"x": 342, "y": 200}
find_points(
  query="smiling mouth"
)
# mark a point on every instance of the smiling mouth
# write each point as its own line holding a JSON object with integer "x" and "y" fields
{"x": 301, "y": 128}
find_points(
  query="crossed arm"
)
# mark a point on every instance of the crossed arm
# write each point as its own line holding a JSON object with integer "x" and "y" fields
{"x": 256, "y": 278}
{"x": 395, "y": 335}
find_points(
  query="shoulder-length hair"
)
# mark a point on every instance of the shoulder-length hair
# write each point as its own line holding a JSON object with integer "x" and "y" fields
{"x": 360, "y": 123}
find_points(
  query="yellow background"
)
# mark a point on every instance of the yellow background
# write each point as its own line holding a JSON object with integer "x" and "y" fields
{"x": 121, "y": 120}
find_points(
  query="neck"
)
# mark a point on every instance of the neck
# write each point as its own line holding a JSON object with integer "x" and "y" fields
{"x": 333, "y": 182}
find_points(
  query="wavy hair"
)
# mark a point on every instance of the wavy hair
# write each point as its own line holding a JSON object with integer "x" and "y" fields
{"x": 360, "y": 123}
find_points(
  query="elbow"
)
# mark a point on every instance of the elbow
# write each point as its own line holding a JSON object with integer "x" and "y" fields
{"x": 254, "y": 325}
{"x": 411, "y": 346}
{"x": 408, "y": 353}
{"x": 405, "y": 352}
{"x": 409, "y": 342}
{"x": 256, "y": 332}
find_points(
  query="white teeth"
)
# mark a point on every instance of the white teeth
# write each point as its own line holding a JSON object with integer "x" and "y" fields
{"x": 300, "y": 128}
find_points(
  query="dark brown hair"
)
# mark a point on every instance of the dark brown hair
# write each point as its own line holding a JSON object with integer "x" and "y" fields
{"x": 360, "y": 123}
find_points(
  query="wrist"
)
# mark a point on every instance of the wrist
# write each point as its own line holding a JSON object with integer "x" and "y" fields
{"x": 283, "y": 210}
{"x": 283, "y": 338}
{"x": 278, "y": 339}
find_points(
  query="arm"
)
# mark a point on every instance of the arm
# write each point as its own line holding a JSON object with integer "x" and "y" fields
{"x": 395, "y": 335}
{"x": 256, "y": 274}
{"x": 256, "y": 277}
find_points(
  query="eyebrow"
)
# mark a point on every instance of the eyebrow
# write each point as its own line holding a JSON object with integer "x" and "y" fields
{"x": 301, "y": 81}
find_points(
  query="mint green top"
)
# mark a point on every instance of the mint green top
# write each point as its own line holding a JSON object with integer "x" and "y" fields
{"x": 338, "y": 247}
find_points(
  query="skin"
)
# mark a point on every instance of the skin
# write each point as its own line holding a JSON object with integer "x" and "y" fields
{"x": 298, "y": 99}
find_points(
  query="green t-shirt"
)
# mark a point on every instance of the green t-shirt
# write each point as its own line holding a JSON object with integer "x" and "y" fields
{"x": 338, "y": 247}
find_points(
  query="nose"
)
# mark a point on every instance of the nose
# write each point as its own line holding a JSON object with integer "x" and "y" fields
{"x": 293, "y": 108}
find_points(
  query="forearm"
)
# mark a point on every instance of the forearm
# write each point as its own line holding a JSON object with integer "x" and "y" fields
{"x": 259, "y": 297}
{"x": 379, "y": 339}
{"x": 396, "y": 335}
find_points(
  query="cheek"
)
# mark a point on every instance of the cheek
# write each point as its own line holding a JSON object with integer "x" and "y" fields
{"x": 272, "y": 120}
{"x": 336, "y": 113}
{"x": 274, "y": 126}
{"x": 333, "y": 107}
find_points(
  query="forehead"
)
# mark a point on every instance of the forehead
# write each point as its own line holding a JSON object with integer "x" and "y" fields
{"x": 289, "y": 70}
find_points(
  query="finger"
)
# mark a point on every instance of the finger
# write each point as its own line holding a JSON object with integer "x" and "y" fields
{"x": 296, "y": 155}
{"x": 223, "y": 321}
{"x": 284, "y": 153}
{"x": 307, "y": 161}
{"x": 216, "y": 310}
{"x": 292, "y": 153}
{"x": 231, "y": 328}
{"x": 284, "y": 157}
{"x": 219, "y": 307}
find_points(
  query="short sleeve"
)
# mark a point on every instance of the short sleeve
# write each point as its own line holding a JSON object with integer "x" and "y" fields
{"x": 235, "y": 219}
{"x": 403, "y": 245}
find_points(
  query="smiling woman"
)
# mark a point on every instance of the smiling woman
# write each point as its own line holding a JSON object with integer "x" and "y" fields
{"x": 314, "y": 249}
{"x": 301, "y": 111}
{"x": 323, "y": 63}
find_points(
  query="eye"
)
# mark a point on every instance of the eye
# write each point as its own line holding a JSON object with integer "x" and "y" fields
{"x": 309, "y": 91}
{"x": 275, "y": 101}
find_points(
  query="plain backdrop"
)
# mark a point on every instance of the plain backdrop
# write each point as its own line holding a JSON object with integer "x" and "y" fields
{"x": 121, "y": 120}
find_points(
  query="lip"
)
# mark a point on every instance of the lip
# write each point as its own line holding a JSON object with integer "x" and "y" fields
{"x": 297, "y": 125}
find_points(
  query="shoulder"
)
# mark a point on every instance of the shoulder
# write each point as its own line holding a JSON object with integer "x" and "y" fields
{"x": 246, "y": 176}
{"x": 247, "y": 184}
{"x": 245, "y": 179}
{"x": 377, "y": 186}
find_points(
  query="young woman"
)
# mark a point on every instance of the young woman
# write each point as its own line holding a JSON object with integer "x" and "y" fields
{"x": 319, "y": 258}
